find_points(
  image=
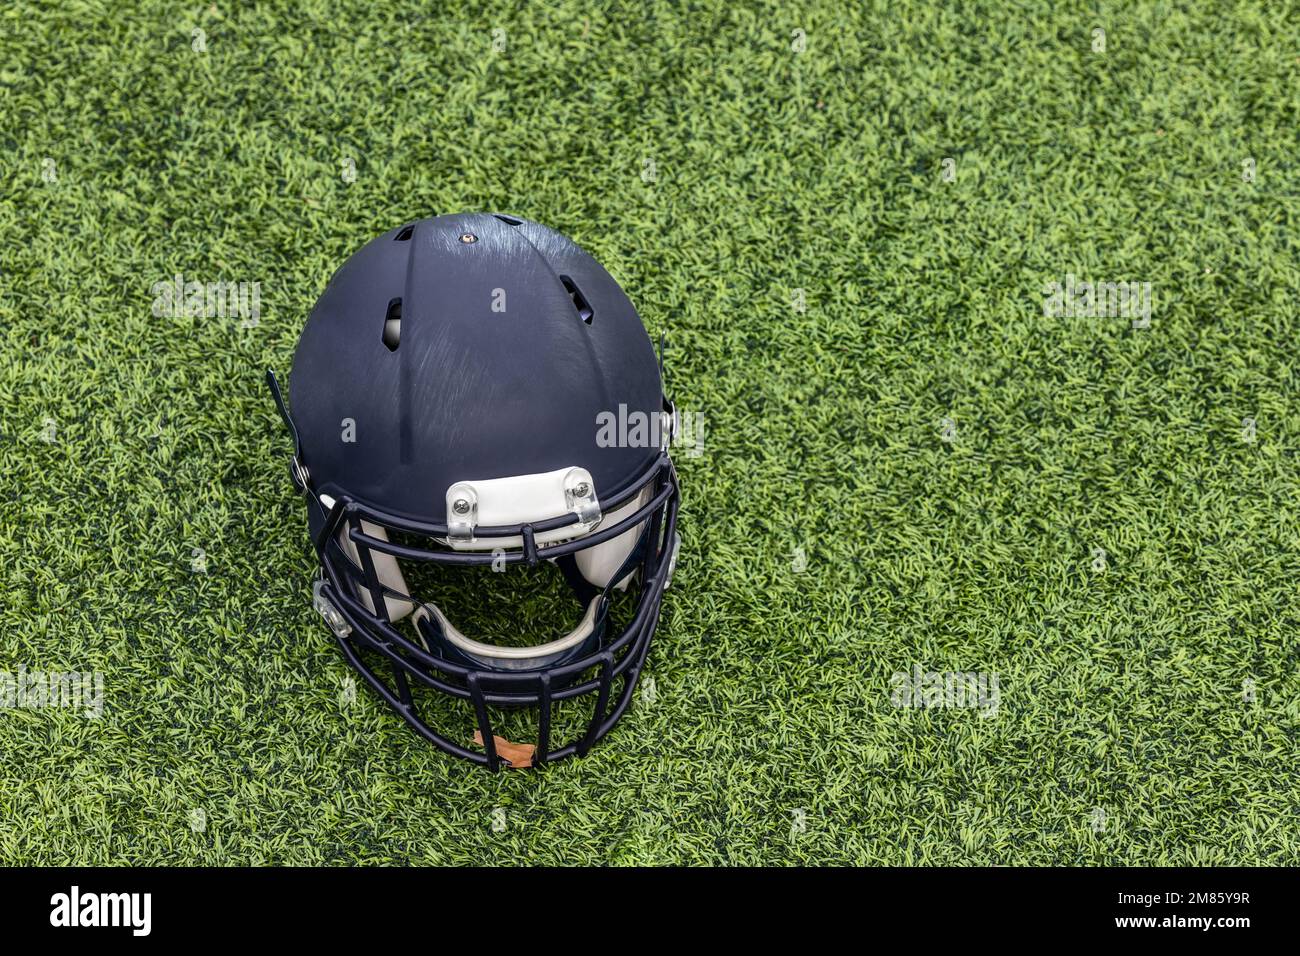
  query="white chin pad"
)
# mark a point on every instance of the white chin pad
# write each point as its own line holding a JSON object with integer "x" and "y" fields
{"x": 601, "y": 562}
{"x": 515, "y": 658}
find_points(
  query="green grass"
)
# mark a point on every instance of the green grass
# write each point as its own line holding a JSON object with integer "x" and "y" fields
{"x": 1121, "y": 689}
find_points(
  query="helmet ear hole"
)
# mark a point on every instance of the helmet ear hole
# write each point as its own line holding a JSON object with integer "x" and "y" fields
{"x": 579, "y": 300}
{"x": 393, "y": 324}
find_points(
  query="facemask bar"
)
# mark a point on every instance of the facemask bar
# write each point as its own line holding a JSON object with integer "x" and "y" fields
{"x": 538, "y": 688}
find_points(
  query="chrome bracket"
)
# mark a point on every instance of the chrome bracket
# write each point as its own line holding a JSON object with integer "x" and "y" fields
{"x": 672, "y": 559}
{"x": 326, "y": 609}
{"x": 462, "y": 511}
{"x": 580, "y": 497}
{"x": 298, "y": 472}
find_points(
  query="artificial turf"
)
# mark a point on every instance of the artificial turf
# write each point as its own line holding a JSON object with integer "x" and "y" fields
{"x": 906, "y": 464}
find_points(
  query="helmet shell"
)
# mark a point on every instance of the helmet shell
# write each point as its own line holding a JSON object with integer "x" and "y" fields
{"x": 512, "y": 343}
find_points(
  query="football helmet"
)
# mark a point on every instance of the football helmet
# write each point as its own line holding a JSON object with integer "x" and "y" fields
{"x": 474, "y": 395}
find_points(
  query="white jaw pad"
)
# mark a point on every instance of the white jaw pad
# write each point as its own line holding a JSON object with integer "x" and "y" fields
{"x": 601, "y": 562}
{"x": 387, "y": 569}
{"x": 515, "y": 658}
{"x": 521, "y": 499}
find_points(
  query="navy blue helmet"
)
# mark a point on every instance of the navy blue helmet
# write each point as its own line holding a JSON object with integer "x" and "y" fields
{"x": 474, "y": 393}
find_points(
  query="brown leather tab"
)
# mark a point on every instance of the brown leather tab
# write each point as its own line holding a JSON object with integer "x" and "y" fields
{"x": 515, "y": 755}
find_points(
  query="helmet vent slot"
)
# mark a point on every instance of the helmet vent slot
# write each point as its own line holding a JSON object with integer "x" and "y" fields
{"x": 404, "y": 235}
{"x": 393, "y": 325}
{"x": 508, "y": 220}
{"x": 579, "y": 300}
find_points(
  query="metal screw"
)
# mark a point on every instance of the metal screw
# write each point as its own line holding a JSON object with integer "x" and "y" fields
{"x": 460, "y": 506}
{"x": 468, "y": 237}
{"x": 581, "y": 489}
